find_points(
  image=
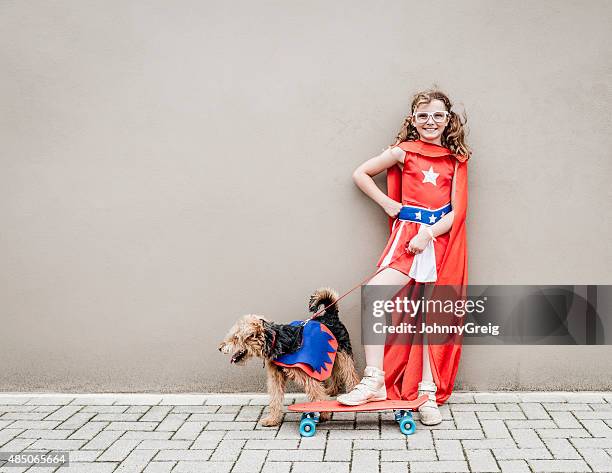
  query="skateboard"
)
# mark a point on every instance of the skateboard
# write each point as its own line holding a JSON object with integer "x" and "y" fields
{"x": 401, "y": 409}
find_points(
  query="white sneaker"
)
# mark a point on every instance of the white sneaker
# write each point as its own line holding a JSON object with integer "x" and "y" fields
{"x": 430, "y": 414}
{"x": 370, "y": 388}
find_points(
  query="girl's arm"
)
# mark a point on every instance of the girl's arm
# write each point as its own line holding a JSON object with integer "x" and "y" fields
{"x": 364, "y": 173}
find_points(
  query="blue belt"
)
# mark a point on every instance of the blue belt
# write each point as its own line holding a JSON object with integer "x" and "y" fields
{"x": 424, "y": 216}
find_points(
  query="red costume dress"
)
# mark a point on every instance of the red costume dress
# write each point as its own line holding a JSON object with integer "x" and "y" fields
{"x": 424, "y": 184}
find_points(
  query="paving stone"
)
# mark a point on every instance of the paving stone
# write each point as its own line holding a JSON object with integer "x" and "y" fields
{"x": 156, "y": 414}
{"x": 89, "y": 430}
{"x": 562, "y": 433}
{"x": 597, "y": 428}
{"x": 591, "y": 442}
{"x": 119, "y": 450}
{"x": 54, "y": 444}
{"x": 408, "y": 455}
{"x": 250, "y": 461}
{"x": 17, "y": 445}
{"x": 172, "y": 422}
{"x": 507, "y": 406}
{"x": 88, "y": 467}
{"x": 295, "y": 455}
{"x": 338, "y": 450}
{"x": 534, "y": 410}
{"x": 141, "y": 426}
{"x": 230, "y": 426}
{"x": 393, "y": 467}
{"x": 200, "y": 467}
{"x": 472, "y": 407}
{"x": 138, "y": 399}
{"x": 597, "y": 458}
{"x": 51, "y": 400}
{"x": 46, "y": 434}
{"x": 562, "y": 466}
{"x": 530, "y": 424}
{"x": 527, "y": 438}
{"x": 164, "y": 444}
{"x": 521, "y": 453}
{"x": 103, "y": 440}
{"x": 353, "y": 434}
{"x": 504, "y": 415}
{"x": 481, "y": 461}
{"x": 439, "y": 466}
{"x": 320, "y": 467}
{"x": 189, "y": 431}
{"x": 561, "y": 449}
{"x": 276, "y": 467}
{"x": 449, "y": 450}
{"x": 64, "y": 413}
{"x": 383, "y": 444}
{"x": 208, "y": 440}
{"x": 459, "y": 398}
{"x": 514, "y": 466}
{"x": 495, "y": 429}
{"x": 228, "y": 400}
{"x": 541, "y": 396}
{"x": 228, "y": 450}
{"x": 105, "y": 409}
{"x": 365, "y": 461}
{"x": 138, "y": 410}
{"x": 488, "y": 444}
{"x": 496, "y": 397}
{"x": 192, "y": 409}
{"x": 566, "y": 420}
{"x": 76, "y": 421}
{"x": 136, "y": 461}
{"x": 119, "y": 417}
{"x": 318, "y": 442}
{"x": 275, "y": 444}
{"x": 183, "y": 455}
{"x": 466, "y": 420}
{"x": 421, "y": 439}
{"x": 459, "y": 434}
{"x": 140, "y": 435}
{"x": 250, "y": 434}
{"x": 159, "y": 467}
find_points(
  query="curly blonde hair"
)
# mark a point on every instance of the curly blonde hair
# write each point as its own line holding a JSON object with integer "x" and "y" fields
{"x": 454, "y": 134}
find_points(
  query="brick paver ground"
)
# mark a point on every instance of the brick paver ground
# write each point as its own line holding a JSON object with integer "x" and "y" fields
{"x": 480, "y": 432}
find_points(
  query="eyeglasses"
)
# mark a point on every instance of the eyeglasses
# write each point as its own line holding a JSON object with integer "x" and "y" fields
{"x": 423, "y": 117}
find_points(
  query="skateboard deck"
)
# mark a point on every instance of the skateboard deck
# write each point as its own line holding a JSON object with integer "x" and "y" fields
{"x": 335, "y": 406}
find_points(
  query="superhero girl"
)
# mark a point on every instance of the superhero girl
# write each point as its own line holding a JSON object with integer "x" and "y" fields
{"x": 426, "y": 202}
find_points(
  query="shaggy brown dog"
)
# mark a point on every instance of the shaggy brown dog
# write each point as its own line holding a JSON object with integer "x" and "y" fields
{"x": 254, "y": 336}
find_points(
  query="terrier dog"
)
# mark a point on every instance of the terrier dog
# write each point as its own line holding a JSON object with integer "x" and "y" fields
{"x": 254, "y": 336}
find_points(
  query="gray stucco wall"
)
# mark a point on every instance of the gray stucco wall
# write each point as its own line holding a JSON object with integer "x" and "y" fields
{"x": 169, "y": 166}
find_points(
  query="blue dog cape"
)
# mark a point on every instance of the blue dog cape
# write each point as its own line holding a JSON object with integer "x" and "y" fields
{"x": 317, "y": 351}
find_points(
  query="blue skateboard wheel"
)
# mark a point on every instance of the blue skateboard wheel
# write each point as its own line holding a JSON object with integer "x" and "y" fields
{"x": 308, "y": 427}
{"x": 407, "y": 425}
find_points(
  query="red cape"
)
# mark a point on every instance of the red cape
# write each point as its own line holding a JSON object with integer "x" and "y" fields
{"x": 403, "y": 364}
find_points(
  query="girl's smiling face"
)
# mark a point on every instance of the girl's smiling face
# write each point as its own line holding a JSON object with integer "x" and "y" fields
{"x": 430, "y": 120}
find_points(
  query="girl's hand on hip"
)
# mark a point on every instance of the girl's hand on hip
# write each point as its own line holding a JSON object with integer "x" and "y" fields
{"x": 392, "y": 208}
{"x": 418, "y": 243}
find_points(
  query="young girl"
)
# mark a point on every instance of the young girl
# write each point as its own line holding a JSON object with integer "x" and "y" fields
{"x": 427, "y": 172}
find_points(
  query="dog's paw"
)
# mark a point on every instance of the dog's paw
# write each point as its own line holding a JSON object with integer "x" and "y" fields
{"x": 324, "y": 416}
{"x": 270, "y": 421}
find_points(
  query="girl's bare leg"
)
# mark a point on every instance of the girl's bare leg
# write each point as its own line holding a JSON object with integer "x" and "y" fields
{"x": 372, "y": 385}
{"x": 426, "y": 375}
{"x": 387, "y": 277}
{"x": 430, "y": 413}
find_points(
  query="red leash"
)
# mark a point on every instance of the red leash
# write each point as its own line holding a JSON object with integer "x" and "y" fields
{"x": 352, "y": 289}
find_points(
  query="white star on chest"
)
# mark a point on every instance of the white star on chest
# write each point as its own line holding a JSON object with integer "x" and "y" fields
{"x": 430, "y": 176}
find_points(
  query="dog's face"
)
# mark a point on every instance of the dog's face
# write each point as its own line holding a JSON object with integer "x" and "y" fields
{"x": 245, "y": 340}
